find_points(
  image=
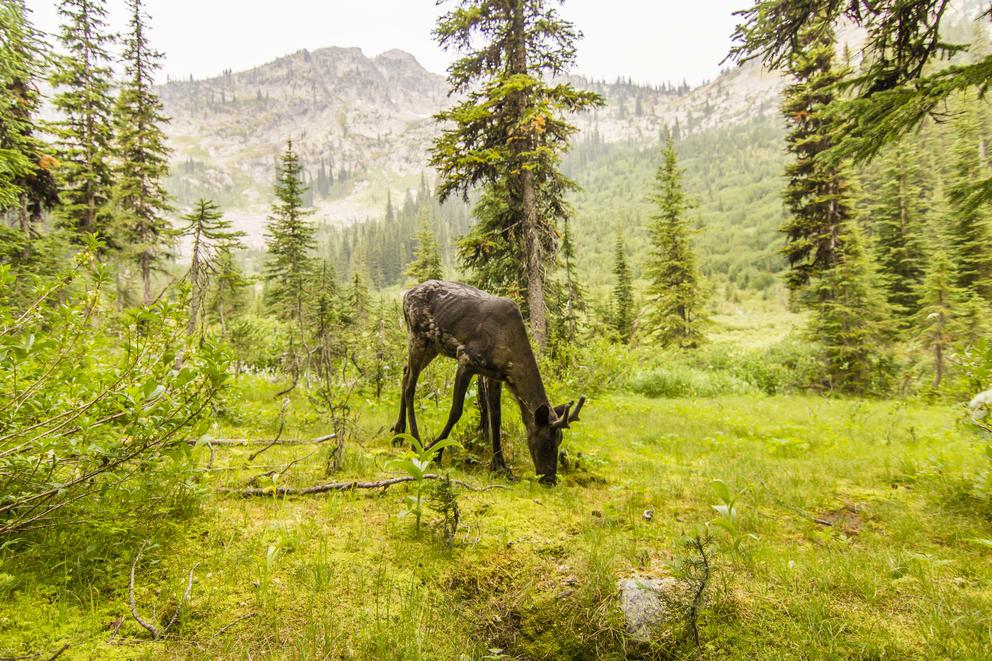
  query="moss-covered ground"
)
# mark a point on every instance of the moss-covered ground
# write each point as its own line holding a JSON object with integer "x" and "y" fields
{"x": 856, "y": 537}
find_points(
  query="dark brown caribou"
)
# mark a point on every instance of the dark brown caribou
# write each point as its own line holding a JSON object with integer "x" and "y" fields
{"x": 485, "y": 334}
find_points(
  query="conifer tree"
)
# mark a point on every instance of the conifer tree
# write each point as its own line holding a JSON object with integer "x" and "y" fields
{"x": 575, "y": 300}
{"x": 290, "y": 242}
{"x": 26, "y": 183}
{"x": 969, "y": 234}
{"x": 851, "y": 319}
{"x": 898, "y": 218}
{"x": 139, "y": 196}
{"x": 675, "y": 313}
{"x": 935, "y": 320}
{"x": 973, "y": 321}
{"x": 817, "y": 192}
{"x": 426, "y": 264}
{"x": 509, "y": 130}
{"x": 326, "y": 319}
{"x": 83, "y": 137}
{"x": 623, "y": 294}
{"x": 212, "y": 237}
{"x": 358, "y": 299}
{"x": 230, "y": 287}
{"x": 896, "y": 86}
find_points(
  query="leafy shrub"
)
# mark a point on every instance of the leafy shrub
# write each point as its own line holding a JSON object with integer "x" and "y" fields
{"x": 684, "y": 381}
{"x": 98, "y": 405}
{"x": 591, "y": 367}
{"x": 715, "y": 370}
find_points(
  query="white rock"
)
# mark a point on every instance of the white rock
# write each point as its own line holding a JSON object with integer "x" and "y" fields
{"x": 643, "y": 602}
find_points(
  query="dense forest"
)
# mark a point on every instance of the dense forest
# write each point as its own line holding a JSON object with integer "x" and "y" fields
{"x": 779, "y": 329}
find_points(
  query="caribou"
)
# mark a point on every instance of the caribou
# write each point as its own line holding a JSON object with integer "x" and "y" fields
{"x": 486, "y": 336}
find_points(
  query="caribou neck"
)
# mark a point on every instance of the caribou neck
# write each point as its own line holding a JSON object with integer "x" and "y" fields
{"x": 524, "y": 381}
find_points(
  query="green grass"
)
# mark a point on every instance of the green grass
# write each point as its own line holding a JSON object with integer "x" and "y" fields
{"x": 532, "y": 570}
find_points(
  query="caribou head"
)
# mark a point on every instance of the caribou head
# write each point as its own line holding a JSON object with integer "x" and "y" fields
{"x": 544, "y": 437}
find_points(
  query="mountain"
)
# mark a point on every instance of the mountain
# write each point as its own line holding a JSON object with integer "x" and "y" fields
{"x": 363, "y": 126}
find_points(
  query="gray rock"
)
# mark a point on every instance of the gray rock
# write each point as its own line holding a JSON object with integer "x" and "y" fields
{"x": 644, "y": 604}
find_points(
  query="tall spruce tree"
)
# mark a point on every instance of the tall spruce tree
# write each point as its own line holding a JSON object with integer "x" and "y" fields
{"x": 898, "y": 218}
{"x": 26, "y": 183}
{"x": 935, "y": 320}
{"x": 212, "y": 238}
{"x": 623, "y": 294}
{"x": 426, "y": 264}
{"x": 817, "y": 192}
{"x": 851, "y": 320}
{"x": 82, "y": 136}
{"x": 969, "y": 233}
{"x": 574, "y": 295}
{"x": 140, "y": 200}
{"x": 675, "y": 313}
{"x": 508, "y": 133}
{"x": 290, "y": 240}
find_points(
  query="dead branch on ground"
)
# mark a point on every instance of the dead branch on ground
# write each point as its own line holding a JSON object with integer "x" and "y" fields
{"x": 348, "y": 486}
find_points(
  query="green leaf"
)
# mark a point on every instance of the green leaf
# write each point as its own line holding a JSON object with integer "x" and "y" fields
{"x": 722, "y": 490}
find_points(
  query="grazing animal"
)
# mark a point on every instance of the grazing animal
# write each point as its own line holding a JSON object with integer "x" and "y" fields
{"x": 485, "y": 334}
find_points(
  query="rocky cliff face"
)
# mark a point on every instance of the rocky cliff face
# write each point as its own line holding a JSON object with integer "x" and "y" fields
{"x": 367, "y": 123}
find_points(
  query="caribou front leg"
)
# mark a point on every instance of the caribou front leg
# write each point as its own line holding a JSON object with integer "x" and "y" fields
{"x": 492, "y": 424}
{"x": 463, "y": 377}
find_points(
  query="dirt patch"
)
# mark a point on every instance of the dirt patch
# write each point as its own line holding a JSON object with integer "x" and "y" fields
{"x": 846, "y": 519}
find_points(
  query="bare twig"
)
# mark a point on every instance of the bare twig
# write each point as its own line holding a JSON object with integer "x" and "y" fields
{"x": 185, "y": 597}
{"x": 347, "y": 486}
{"x": 227, "y": 626}
{"x": 153, "y": 630}
{"x": 134, "y": 609}
{"x": 697, "y": 600}
{"x": 282, "y": 424}
{"x": 58, "y": 653}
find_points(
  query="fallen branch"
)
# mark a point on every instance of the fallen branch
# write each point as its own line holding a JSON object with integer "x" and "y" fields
{"x": 347, "y": 486}
{"x": 54, "y": 656}
{"x": 244, "y": 442}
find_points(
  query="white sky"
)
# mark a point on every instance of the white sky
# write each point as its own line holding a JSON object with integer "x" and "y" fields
{"x": 651, "y": 41}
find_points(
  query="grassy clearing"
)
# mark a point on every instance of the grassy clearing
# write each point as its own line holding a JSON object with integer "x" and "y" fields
{"x": 532, "y": 570}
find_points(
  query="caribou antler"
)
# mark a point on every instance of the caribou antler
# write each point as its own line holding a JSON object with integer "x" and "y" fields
{"x": 567, "y": 416}
{"x": 574, "y": 415}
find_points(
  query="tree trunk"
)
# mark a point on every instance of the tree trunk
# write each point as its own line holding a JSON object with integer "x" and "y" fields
{"x": 526, "y": 188}
{"x": 146, "y": 277}
{"x": 535, "y": 281}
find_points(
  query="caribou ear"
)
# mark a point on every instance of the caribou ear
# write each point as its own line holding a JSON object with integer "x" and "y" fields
{"x": 542, "y": 416}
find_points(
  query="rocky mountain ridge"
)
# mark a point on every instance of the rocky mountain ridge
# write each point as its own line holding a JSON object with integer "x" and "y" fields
{"x": 363, "y": 125}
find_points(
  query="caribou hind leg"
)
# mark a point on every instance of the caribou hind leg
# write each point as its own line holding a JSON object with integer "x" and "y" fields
{"x": 400, "y": 426}
{"x": 420, "y": 358}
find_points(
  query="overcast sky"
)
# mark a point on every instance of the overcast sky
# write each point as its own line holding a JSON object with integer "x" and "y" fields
{"x": 652, "y": 41}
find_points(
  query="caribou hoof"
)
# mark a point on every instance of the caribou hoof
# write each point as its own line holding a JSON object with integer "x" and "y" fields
{"x": 504, "y": 472}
